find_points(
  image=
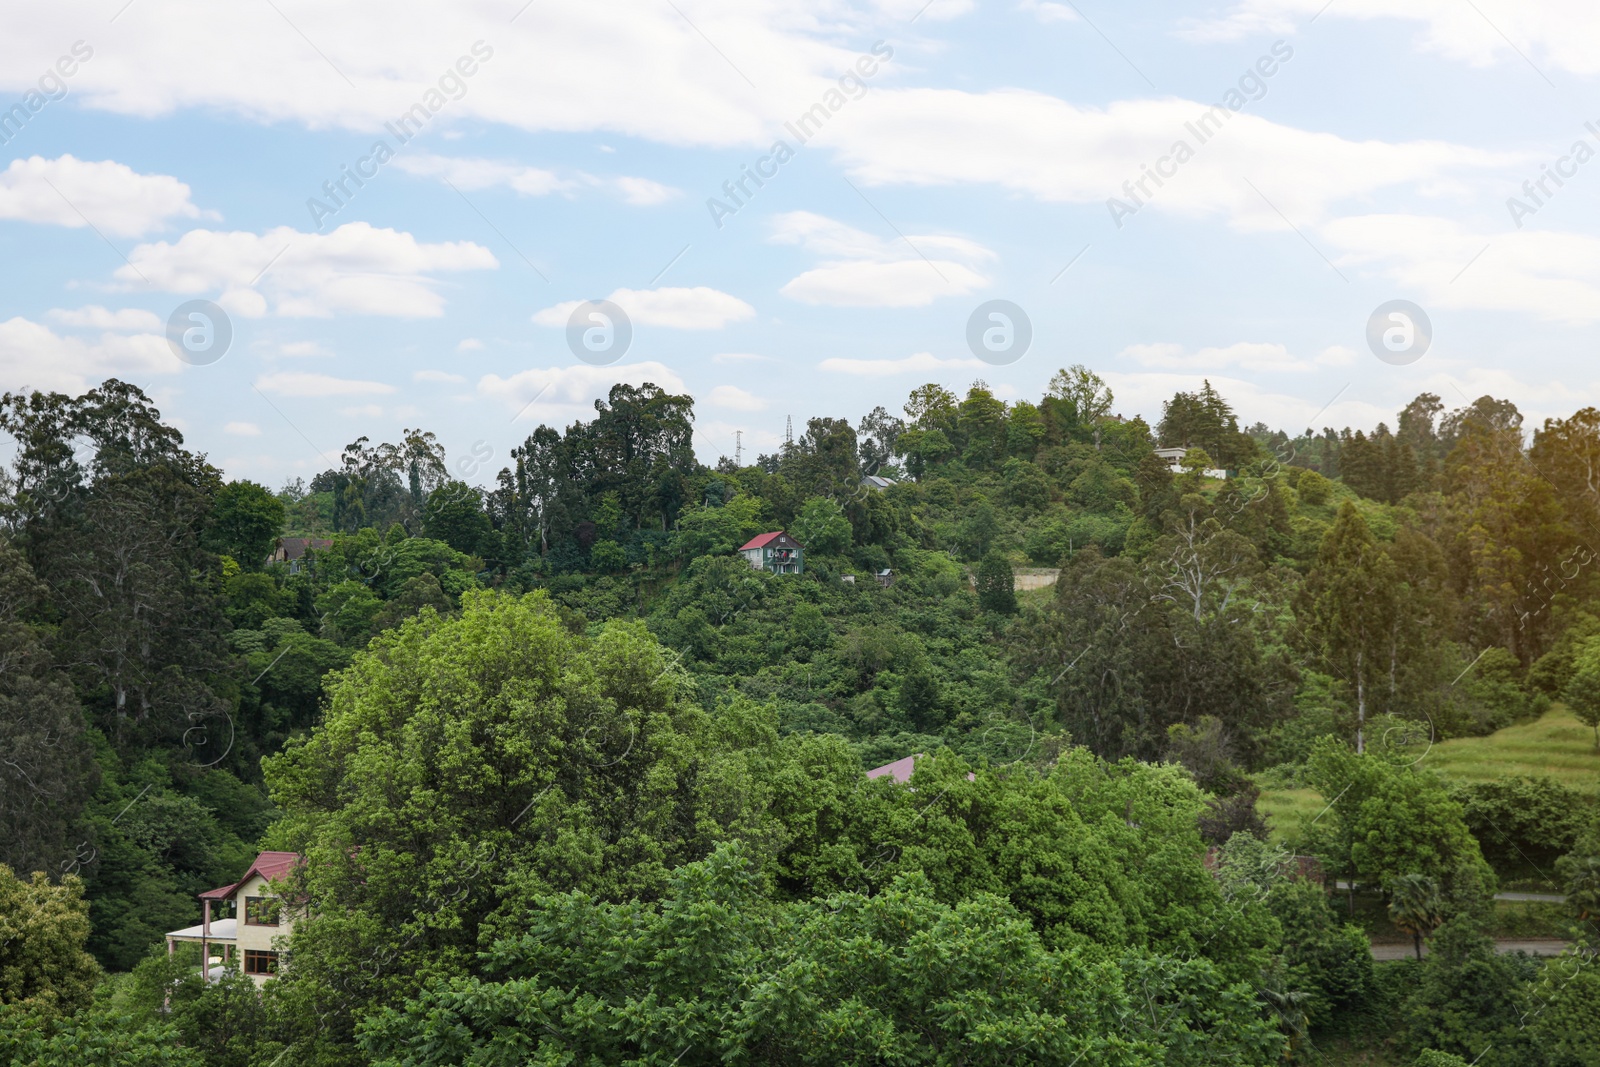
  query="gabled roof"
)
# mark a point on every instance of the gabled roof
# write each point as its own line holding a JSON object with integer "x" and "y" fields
{"x": 763, "y": 540}
{"x": 296, "y": 547}
{"x": 268, "y": 865}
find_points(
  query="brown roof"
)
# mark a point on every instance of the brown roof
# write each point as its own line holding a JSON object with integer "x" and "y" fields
{"x": 295, "y": 547}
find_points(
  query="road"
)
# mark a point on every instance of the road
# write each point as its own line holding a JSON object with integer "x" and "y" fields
{"x": 1531, "y": 898}
{"x": 1532, "y": 946}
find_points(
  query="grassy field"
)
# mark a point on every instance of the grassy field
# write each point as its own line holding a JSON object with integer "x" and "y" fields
{"x": 1557, "y": 745}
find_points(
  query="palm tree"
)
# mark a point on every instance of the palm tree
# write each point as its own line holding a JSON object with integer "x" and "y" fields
{"x": 1415, "y": 908}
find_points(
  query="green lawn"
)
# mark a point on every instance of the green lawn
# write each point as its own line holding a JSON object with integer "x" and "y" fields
{"x": 1557, "y": 745}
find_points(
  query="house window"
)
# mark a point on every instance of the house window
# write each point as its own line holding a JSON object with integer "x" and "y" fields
{"x": 261, "y": 911}
{"x": 258, "y": 961}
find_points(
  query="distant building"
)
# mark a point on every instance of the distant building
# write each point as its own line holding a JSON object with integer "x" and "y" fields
{"x": 776, "y": 552}
{"x": 246, "y": 938}
{"x": 292, "y": 550}
{"x": 1174, "y": 458}
{"x": 885, "y": 577}
{"x": 878, "y": 482}
{"x": 900, "y": 770}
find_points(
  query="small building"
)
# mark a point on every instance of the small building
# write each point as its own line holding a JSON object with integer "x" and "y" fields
{"x": 1174, "y": 458}
{"x": 247, "y": 938}
{"x": 885, "y": 577}
{"x": 292, "y": 550}
{"x": 776, "y": 552}
{"x": 901, "y": 769}
{"x": 878, "y": 482}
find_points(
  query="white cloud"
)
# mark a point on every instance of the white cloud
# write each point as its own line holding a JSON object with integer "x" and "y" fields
{"x": 1244, "y": 355}
{"x": 1554, "y": 276}
{"x": 734, "y": 398}
{"x": 699, "y": 308}
{"x": 33, "y": 355}
{"x": 356, "y": 269}
{"x": 111, "y": 196}
{"x": 303, "y": 349}
{"x": 1563, "y": 34}
{"x": 1044, "y": 147}
{"x": 741, "y": 357}
{"x": 1045, "y": 11}
{"x": 96, "y": 317}
{"x": 867, "y": 271}
{"x": 436, "y": 376}
{"x": 656, "y": 77}
{"x": 242, "y": 429}
{"x": 362, "y": 411}
{"x": 644, "y": 192}
{"x": 469, "y": 344}
{"x": 920, "y": 363}
{"x": 470, "y": 174}
{"x": 937, "y": 10}
{"x": 317, "y": 385}
{"x": 548, "y": 393}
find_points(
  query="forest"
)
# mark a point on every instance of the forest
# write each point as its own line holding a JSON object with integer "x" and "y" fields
{"x": 571, "y": 782}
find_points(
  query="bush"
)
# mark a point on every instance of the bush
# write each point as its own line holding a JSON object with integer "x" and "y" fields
{"x": 608, "y": 557}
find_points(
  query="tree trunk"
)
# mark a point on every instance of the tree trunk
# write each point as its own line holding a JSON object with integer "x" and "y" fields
{"x": 1361, "y": 704}
{"x": 1416, "y": 939}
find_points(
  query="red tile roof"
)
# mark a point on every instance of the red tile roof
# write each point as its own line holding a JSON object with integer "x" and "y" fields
{"x": 268, "y": 865}
{"x": 760, "y": 540}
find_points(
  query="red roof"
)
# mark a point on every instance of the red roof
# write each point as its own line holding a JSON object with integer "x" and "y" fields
{"x": 762, "y": 540}
{"x": 268, "y": 865}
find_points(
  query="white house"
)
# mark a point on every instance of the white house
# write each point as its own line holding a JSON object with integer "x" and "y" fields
{"x": 247, "y": 939}
{"x": 1174, "y": 458}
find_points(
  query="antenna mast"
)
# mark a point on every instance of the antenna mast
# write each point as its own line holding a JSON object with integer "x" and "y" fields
{"x": 788, "y": 431}
{"x": 738, "y": 448}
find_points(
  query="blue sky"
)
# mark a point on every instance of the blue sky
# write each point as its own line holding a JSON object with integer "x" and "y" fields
{"x": 169, "y": 153}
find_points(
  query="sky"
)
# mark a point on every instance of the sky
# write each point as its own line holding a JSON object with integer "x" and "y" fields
{"x": 295, "y": 224}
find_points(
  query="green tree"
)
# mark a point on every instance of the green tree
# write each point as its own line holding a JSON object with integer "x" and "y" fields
{"x": 1087, "y": 393}
{"x": 454, "y": 514}
{"x": 47, "y": 769}
{"x": 1346, "y": 606}
{"x": 608, "y": 557}
{"x": 347, "y": 612}
{"x": 822, "y": 527}
{"x": 1415, "y": 907}
{"x": 1583, "y": 692}
{"x": 246, "y": 520}
{"x": 995, "y": 585}
{"x": 43, "y": 928}
{"x": 896, "y": 977}
{"x": 478, "y": 762}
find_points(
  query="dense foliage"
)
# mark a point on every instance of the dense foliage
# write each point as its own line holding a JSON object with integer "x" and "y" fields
{"x": 574, "y": 783}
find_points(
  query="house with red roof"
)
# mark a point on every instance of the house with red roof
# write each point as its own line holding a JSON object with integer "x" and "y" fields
{"x": 251, "y": 918}
{"x": 776, "y": 552}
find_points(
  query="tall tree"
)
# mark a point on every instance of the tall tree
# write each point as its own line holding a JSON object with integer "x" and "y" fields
{"x": 1087, "y": 393}
{"x": 1346, "y": 607}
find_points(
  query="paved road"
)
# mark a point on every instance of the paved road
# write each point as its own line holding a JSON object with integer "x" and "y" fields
{"x": 1533, "y": 947}
{"x": 1534, "y": 898}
